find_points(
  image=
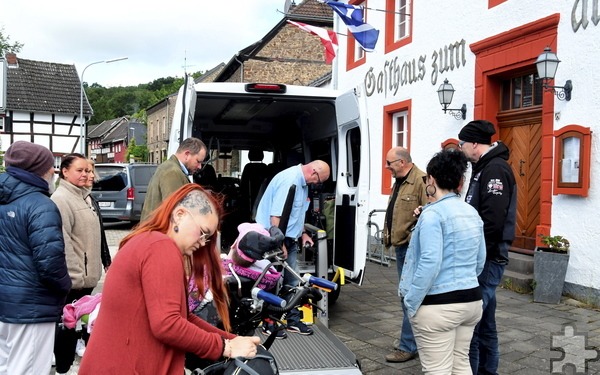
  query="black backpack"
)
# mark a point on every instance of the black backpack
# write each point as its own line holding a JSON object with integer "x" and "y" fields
{"x": 262, "y": 364}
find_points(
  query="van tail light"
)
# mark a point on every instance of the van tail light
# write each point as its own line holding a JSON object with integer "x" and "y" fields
{"x": 130, "y": 194}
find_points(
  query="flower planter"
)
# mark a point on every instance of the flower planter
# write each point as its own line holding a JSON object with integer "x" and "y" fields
{"x": 549, "y": 271}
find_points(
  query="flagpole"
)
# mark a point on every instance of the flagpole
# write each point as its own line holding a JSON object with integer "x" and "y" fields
{"x": 387, "y": 11}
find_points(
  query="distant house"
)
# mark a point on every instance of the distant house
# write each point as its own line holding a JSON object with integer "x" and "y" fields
{"x": 43, "y": 105}
{"x": 108, "y": 141}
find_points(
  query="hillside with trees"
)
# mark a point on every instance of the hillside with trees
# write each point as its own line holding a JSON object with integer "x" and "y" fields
{"x": 114, "y": 102}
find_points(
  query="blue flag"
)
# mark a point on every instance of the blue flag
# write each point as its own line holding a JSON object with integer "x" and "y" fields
{"x": 352, "y": 15}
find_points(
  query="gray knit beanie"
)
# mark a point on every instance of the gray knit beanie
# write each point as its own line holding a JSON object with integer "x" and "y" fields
{"x": 30, "y": 157}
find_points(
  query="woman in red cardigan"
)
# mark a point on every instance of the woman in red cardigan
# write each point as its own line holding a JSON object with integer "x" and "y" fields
{"x": 144, "y": 326}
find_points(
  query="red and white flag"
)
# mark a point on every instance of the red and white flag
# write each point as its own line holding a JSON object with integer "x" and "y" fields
{"x": 328, "y": 38}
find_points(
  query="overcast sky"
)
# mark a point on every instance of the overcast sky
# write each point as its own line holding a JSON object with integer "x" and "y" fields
{"x": 158, "y": 37}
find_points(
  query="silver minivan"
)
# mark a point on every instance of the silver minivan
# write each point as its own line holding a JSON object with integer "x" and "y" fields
{"x": 121, "y": 189}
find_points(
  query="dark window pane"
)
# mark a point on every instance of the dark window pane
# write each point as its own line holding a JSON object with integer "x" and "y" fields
{"x": 528, "y": 90}
{"x": 505, "y": 95}
{"x": 517, "y": 92}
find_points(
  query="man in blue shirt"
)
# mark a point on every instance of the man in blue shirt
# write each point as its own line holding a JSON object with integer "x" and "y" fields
{"x": 269, "y": 213}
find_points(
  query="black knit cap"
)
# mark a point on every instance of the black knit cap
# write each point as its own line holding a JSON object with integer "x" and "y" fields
{"x": 477, "y": 131}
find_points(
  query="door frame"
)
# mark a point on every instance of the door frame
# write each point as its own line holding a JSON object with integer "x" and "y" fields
{"x": 518, "y": 49}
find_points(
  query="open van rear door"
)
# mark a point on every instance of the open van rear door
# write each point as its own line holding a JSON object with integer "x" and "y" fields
{"x": 183, "y": 116}
{"x": 352, "y": 188}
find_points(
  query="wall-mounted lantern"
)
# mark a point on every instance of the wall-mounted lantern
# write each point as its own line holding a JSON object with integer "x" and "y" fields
{"x": 445, "y": 94}
{"x": 547, "y": 64}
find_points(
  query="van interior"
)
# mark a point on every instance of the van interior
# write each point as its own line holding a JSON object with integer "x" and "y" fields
{"x": 289, "y": 130}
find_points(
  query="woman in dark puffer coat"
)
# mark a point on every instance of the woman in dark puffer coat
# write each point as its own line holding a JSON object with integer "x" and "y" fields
{"x": 34, "y": 280}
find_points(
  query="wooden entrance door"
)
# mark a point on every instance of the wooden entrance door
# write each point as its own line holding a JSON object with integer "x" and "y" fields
{"x": 524, "y": 140}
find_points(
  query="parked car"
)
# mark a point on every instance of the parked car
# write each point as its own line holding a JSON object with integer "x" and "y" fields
{"x": 121, "y": 189}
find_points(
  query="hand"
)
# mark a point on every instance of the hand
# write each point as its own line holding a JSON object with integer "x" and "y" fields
{"x": 242, "y": 346}
{"x": 285, "y": 253}
{"x": 306, "y": 239}
{"x": 417, "y": 211}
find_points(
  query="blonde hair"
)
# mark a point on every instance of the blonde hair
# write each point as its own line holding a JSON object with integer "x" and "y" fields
{"x": 93, "y": 163}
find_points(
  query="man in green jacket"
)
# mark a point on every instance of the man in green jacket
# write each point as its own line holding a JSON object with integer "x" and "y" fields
{"x": 174, "y": 173}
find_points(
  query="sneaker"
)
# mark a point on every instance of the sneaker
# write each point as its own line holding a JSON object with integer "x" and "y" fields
{"x": 80, "y": 349}
{"x": 300, "y": 328}
{"x": 267, "y": 329}
{"x": 400, "y": 356}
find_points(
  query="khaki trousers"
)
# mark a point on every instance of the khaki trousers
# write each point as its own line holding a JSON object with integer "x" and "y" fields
{"x": 443, "y": 334}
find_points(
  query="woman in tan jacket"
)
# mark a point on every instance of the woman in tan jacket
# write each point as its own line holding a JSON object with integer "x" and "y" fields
{"x": 81, "y": 231}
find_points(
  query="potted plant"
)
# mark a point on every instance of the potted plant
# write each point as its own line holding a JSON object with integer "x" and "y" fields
{"x": 550, "y": 264}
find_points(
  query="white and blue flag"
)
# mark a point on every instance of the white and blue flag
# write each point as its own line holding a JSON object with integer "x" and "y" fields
{"x": 352, "y": 15}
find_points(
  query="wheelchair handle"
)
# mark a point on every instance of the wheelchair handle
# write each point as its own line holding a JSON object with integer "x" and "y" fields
{"x": 320, "y": 282}
{"x": 270, "y": 298}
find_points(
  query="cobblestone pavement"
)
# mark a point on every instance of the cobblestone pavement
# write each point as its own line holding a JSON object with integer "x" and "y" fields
{"x": 534, "y": 338}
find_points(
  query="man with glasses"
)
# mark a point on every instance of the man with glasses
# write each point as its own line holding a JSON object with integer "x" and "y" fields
{"x": 269, "y": 213}
{"x": 408, "y": 193}
{"x": 174, "y": 173}
{"x": 493, "y": 193}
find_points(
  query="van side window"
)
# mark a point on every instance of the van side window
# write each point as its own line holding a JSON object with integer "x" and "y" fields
{"x": 353, "y": 146}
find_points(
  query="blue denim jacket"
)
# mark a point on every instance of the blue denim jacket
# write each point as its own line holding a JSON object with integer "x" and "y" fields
{"x": 446, "y": 252}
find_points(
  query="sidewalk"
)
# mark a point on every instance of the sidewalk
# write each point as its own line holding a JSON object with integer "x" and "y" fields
{"x": 367, "y": 319}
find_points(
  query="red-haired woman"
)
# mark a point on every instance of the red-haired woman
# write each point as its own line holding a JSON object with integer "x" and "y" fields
{"x": 144, "y": 326}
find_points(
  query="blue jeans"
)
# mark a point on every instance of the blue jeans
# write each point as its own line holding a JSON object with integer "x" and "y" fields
{"x": 293, "y": 316}
{"x": 484, "y": 354}
{"x": 407, "y": 338}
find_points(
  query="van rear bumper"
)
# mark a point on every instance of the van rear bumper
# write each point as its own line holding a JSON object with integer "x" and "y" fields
{"x": 118, "y": 215}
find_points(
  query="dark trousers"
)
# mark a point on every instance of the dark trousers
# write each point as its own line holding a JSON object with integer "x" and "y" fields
{"x": 484, "y": 353}
{"x": 65, "y": 340}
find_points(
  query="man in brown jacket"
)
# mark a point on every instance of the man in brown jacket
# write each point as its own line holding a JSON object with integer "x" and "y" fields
{"x": 174, "y": 173}
{"x": 408, "y": 193}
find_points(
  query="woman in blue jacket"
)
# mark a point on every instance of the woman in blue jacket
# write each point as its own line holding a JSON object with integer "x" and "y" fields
{"x": 439, "y": 282}
{"x": 34, "y": 280}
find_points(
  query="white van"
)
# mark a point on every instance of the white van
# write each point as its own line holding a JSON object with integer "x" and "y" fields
{"x": 293, "y": 125}
{"x": 296, "y": 124}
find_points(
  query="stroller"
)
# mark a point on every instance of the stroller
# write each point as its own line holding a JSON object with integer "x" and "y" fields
{"x": 254, "y": 296}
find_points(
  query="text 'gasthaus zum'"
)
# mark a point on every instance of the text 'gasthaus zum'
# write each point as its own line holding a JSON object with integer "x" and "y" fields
{"x": 395, "y": 73}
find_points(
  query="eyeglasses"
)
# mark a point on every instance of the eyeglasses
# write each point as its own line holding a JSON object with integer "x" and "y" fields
{"x": 461, "y": 143}
{"x": 389, "y": 163}
{"x": 318, "y": 177}
{"x": 203, "y": 237}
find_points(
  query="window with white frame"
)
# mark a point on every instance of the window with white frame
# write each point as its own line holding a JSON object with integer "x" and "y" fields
{"x": 400, "y": 129}
{"x": 402, "y": 19}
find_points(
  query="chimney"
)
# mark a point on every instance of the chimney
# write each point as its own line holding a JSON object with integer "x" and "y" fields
{"x": 11, "y": 58}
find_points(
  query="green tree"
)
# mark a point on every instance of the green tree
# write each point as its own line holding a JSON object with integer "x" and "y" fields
{"x": 6, "y": 46}
{"x": 135, "y": 152}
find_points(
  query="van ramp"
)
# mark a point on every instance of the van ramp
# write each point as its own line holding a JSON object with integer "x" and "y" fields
{"x": 320, "y": 353}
